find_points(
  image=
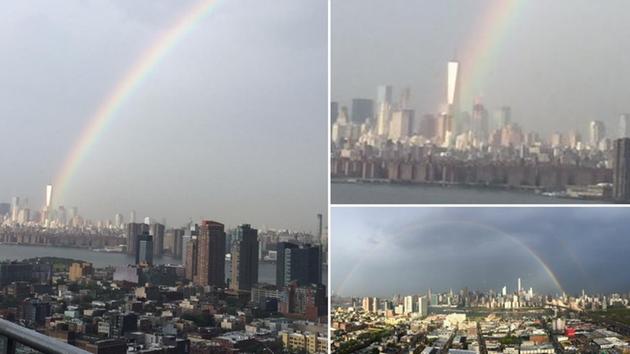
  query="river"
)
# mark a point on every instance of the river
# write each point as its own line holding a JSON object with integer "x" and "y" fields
{"x": 372, "y": 193}
{"x": 266, "y": 270}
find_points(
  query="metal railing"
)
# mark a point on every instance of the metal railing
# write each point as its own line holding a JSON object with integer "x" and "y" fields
{"x": 14, "y": 335}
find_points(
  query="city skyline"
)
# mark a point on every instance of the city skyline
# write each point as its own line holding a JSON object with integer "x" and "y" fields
{"x": 21, "y": 211}
{"x": 552, "y": 250}
{"x": 509, "y": 56}
{"x": 170, "y": 147}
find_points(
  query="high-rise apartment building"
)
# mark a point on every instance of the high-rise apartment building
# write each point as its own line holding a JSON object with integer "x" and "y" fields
{"x": 177, "y": 243}
{"x": 298, "y": 263}
{"x": 189, "y": 256}
{"x": 408, "y": 304}
{"x": 133, "y": 231}
{"x": 621, "y": 169}
{"x": 206, "y": 255}
{"x": 144, "y": 249}
{"x": 423, "y": 306}
{"x": 244, "y": 258}
{"x": 157, "y": 231}
{"x": 367, "y": 304}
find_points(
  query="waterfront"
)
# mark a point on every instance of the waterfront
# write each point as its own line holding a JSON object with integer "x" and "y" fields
{"x": 372, "y": 193}
{"x": 266, "y": 270}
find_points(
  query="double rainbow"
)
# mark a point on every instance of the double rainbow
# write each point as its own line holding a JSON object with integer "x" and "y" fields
{"x": 415, "y": 231}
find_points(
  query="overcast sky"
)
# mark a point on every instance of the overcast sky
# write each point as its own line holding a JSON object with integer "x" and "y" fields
{"x": 230, "y": 125}
{"x": 387, "y": 251}
{"x": 559, "y": 64}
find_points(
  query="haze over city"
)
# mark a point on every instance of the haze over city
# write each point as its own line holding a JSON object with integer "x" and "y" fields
{"x": 227, "y": 125}
{"x": 387, "y": 251}
{"x": 558, "y": 65}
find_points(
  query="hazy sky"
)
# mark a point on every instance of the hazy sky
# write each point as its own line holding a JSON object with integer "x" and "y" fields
{"x": 385, "y": 251}
{"x": 230, "y": 125}
{"x": 558, "y": 64}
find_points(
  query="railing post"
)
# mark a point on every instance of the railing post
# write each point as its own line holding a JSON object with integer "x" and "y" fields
{"x": 10, "y": 346}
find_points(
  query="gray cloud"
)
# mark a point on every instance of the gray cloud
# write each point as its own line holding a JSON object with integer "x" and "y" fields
{"x": 457, "y": 247}
{"x": 228, "y": 125}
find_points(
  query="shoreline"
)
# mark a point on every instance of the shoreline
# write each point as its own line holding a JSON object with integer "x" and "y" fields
{"x": 530, "y": 190}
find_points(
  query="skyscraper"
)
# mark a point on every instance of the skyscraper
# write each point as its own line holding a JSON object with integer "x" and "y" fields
{"x": 423, "y": 306}
{"x": 597, "y": 133}
{"x": 502, "y": 118}
{"x": 133, "y": 231}
{"x": 320, "y": 229}
{"x": 144, "y": 249}
{"x": 157, "y": 231}
{"x": 73, "y": 216}
{"x": 621, "y": 170}
{"x": 48, "y": 211}
{"x": 24, "y": 215}
{"x": 210, "y": 254}
{"x": 479, "y": 122}
{"x": 118, "y": 221}
{"x": 362, "y": 109}
{"x": 15, "y": 208}
{"x": 408, "y": 304}
{"x": 334, "y": 111}
{"x": 384, "y": 95}
{"x": 61, "y": 215}
{"x": 426, "y": 126}
{"x": 519, "y": 285}
{"x": 49, "y": 196}
{"x": 444, "y": 126}
{"x": 298, "y": 263}
{"x": 405, "y": 99}
{"x": 177, "y": 243}
{"x": 5, "y": 209}
{"x": 401, "y": 124}
{"x": 367, "y": 304}
{"x": 453, "y": 89}
{"x": 383, "y": 119}
{"x": 189, "y": 256}
{"x": 244, "y": 258}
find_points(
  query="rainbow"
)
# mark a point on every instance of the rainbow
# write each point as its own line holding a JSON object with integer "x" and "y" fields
{"x": 386, "y": 240}
{"x": 125, "y": 88}
{"x": 484, "y": 45}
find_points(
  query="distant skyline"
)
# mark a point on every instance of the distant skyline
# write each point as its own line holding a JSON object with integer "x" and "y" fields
{"x": 386, "y": 251}
{"x": 558, "y": 65}
{"x": 227, "y": 126}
